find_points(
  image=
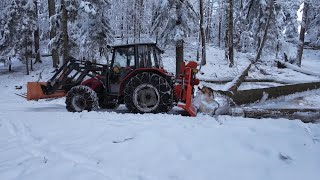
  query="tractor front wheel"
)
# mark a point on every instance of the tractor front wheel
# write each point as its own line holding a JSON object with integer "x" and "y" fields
{"x": 81, "y": 98}
{"x": 148, "y": 93}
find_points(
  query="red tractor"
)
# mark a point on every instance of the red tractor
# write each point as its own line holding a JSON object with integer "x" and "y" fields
{"x": 135, "y": 77}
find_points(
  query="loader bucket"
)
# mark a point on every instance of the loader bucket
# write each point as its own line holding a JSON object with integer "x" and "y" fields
{"x": 35, "y": 92}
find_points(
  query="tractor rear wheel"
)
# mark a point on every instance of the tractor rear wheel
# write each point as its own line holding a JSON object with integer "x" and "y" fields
{"x": 148, "y": 93}
{"x": 81, "y": 98}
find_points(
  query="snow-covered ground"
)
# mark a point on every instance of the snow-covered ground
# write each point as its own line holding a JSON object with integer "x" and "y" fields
{"x": 99, "y": 145}
{"x": 41, "y": 140}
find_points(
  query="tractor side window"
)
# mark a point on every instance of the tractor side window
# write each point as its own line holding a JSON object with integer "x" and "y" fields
{"x": 158, "y": 58}
{"x": 143, "y": 56}
{"x": 147, "y": 57}
{"x": 130, "y": 57}
{"x": 152, "y": 58}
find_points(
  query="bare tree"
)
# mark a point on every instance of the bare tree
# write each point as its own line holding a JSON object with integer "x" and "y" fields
{"x": 219, "y": 24}
{"x": 26, "y": 56}
{"x": 302, "y": 32}
{"x": 36, "y": 34}
{"x": 229, "y": 33}
{"x": 179, "y": 42}
{"x": 203, "y": 36}
{"x": 54, "y": 51}
{"x": 264, "y": 38}
{"x": 208, "y": 15}
{"x": 65, "y": 37}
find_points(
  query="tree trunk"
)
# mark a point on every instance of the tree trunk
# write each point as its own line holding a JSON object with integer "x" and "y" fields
{"x": 219, "y": 24}
{"x": 26, "y": 56}
{"x": 219, "y": 32}
{"x": 226, "y": 34}
{"x": 179, "y": 56}
{"x": 209, "y": 24}
{"x": 138, "y": 15}
{"x": 54, "y": 51}
{"x": 141, "y": 11}
{"x": 255, "y": 95}
{"x": 10, "y": 64}
{"x": 264, "y": 38}
{"x": 230, "y": 33}
{"x": 198, "y": 48}
{"x": 31, "y": 65}
{"x": 302, "y": 32}
{"x": 203, "y": 36}
{"x": 65, "y": 37}
{"x": 37, "y": 35}
{"x": 235, "y": 84}
{"x": 179, "y": 43}
{"x": 305, "y": 115}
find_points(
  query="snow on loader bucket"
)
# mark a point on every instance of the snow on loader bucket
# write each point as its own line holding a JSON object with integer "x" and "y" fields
{"x": 35, "y": 92}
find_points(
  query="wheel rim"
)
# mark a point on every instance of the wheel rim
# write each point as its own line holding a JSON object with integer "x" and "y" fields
{"x": 79, "y": 103}
{"x": 146, "y": 98}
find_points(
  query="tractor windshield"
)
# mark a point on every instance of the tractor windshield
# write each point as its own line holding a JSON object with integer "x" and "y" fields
{"x": 124, "y": 57}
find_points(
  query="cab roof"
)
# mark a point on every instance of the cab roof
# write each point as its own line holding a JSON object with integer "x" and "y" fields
{"x": 135, "y": 44}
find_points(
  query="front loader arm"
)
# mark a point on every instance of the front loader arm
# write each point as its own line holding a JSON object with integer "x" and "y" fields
{"x": 69, "y": 75}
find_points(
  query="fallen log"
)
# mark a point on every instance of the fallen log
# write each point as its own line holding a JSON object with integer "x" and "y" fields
{"x": 255, "y": 95}
{"x": 311, "y": 47}
{"x": 236, "y": 82}
{"x": 305, "y": 115}
{"x": 46, "y": 55}
{"x": 298, "y": 69}
{"x": 227, "y": 80}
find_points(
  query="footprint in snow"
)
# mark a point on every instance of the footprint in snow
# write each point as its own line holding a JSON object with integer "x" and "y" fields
{"x": 285, "y": 158}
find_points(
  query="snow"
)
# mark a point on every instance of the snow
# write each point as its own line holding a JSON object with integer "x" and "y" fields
{"x": 82, "y": 146}
{"x": 88, "y": 7}
{"x": 41, "y": 140}
{"x": 295, "y": 68}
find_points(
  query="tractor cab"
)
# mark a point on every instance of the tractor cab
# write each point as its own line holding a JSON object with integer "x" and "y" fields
{"x": 128, "y": 58}
{"x": 136, "y": 56}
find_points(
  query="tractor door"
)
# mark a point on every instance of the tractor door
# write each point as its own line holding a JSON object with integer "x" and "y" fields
{"x": 123, "y": 62}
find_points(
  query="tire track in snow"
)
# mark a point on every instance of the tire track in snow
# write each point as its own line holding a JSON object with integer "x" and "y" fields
{"x": 40, "y": 148}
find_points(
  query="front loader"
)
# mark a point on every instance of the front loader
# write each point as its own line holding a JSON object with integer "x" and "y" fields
{"x": 134, "y": 77}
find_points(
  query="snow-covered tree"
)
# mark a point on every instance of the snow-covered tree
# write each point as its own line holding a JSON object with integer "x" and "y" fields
{"x": 91, "y": 31}
{"x": 88, "y": 28}
{"x": 18, "y": 23}
{"x": 290, "y": 10}
{"x": 313, "y": 23}
{"x": 174, "y": 20}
